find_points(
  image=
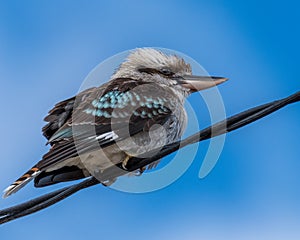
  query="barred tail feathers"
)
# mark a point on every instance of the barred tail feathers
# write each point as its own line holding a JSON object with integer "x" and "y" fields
{"x": 21, "y": 182}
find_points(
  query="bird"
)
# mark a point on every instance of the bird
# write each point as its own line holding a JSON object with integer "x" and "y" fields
{"x": 140, "y": 108}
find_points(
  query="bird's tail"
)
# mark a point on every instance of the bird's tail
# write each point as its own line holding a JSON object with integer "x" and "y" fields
{"x": 21, "y": 182}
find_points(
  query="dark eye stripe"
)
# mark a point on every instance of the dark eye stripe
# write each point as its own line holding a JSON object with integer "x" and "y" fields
{"x": 164, "y": 72}
{"x": 148, "y": 70}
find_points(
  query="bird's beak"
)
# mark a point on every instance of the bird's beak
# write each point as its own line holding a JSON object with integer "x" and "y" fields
{"x": 198, "y": 83}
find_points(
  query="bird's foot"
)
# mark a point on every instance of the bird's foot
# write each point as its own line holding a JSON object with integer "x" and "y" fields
{"x": 125, "y": 161}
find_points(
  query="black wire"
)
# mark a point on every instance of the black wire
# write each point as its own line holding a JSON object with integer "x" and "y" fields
{"x": 227, "y": 125}
{"x": 53, "y": 198}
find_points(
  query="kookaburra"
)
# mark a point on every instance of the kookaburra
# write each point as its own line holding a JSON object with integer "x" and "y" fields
{"x": 139, "y": 109}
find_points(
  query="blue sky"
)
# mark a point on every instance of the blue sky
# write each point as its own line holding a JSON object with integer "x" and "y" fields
{"x": 47, "y": 49}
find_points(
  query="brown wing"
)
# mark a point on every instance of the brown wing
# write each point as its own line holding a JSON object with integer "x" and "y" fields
{"x": 105, "y": 114}
{"x": 62, "y": 113}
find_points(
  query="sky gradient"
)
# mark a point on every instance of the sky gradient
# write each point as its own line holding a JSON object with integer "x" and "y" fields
{"x": 48, "y": 48}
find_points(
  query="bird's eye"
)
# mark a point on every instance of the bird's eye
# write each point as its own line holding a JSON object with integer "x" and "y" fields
{"x": 166, "y": 72}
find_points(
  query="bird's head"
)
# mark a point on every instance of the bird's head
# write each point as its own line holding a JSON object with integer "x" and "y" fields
{"x": 151, "y": 65}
